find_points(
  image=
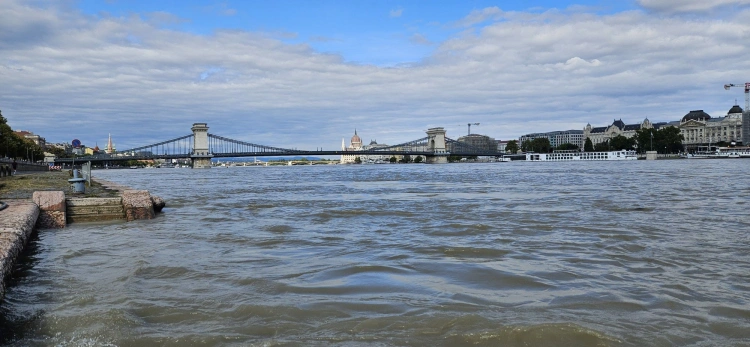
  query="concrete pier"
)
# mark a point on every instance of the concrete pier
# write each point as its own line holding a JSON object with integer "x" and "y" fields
{"x": 436, "y": 144}
{"x": 16, "y": 225}
{"x": 201, "y": 155}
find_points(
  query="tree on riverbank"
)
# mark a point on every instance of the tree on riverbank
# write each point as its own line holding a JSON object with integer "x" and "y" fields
{"x": 667, "y": 139}
{"x": 620, "y": 142}
{"x": 537, "y": 145}
{"x": 567, "y": 147}
{"x": 588, "y": 146}
{"x": 14, "y": 146}
{"x": 511, "y": 147}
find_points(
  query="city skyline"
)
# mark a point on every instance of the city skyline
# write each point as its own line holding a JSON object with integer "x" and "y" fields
{"x": 300, "y": 75}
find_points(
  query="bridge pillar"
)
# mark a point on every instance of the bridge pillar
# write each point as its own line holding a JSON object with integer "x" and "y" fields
{"x": 436, "y": 145}
{"x": 201, "y": 155}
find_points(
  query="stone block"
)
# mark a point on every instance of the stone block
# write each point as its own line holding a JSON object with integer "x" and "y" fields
{"x": 137, "y": 204}
{"x": 52, "y": 209}
{"x": 158, "y": 203}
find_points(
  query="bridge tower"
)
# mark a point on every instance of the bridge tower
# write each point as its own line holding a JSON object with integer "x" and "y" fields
{"x": 436, "y": 144}
{"x": 201, "y": 155}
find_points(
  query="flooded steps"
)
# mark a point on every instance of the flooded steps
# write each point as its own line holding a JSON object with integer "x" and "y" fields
{"x": 94, "y": 209}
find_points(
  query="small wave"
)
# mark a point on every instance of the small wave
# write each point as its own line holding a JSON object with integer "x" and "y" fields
{"x": 541, "y": 335}
{"x": 162, "y": 272}
{"x": 628, "y": 209}
{"x": 259, "y": 206}
{"x": 453, "y": 229}
{"x": 280, "y": 229}
{"x": 731, "y": 312}
{"x": 362, "y": 212}
{"x": 469, "y": 252}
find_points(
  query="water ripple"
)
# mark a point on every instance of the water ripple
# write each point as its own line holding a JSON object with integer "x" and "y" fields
{"x": 510, "y": 254}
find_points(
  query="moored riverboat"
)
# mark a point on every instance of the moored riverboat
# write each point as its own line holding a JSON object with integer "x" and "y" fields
{"x": 722, "y": 153}
{"x": 573, "y": 155}
{"x": 733, "y": 152}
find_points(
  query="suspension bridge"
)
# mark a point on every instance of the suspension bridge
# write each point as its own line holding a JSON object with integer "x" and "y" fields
{"x": 201, "y": 146}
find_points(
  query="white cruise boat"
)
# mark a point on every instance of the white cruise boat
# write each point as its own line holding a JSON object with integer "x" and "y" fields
{"x": 576, "y": 155}
{"x": 733, "y": 152}
{"x": 722, "y": 153}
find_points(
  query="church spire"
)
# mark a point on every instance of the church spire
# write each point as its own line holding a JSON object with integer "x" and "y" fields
{"x": 110, "y": 147}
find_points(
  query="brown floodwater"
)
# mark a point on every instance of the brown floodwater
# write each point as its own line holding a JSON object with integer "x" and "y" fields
{"x": 646, "y": 253}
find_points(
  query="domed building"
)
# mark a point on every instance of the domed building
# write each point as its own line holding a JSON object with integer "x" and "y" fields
{"x": 697, "y": 115}
{"x": 356, "y": 142}
{"x": 699, "y": 129}
{"x": 355, "y": 145}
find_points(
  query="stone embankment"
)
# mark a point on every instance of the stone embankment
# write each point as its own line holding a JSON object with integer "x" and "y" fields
{"x": 21, "y": 166}
{"x": 16, "y": 224}
{"x": 52, "y": 209}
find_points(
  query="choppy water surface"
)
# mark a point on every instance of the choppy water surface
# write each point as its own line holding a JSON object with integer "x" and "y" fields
{"x": 511, "y": 254}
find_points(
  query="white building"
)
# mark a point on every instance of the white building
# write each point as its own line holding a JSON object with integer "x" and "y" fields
{"x": 355, "y": 145}
{"x": 698, "y": 128}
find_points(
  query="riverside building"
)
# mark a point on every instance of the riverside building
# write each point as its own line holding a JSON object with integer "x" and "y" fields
{"x": 38, "y": 140}
{"x": 557, "y": 138}
{"x": 355, "y": 144}
{"x": 617, "y": 128}
{"x": 699, "y": 129}
{"x": 479, "y": 141}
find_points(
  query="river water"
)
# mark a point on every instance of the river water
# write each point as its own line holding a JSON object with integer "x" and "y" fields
{"x": 646, "y": 253}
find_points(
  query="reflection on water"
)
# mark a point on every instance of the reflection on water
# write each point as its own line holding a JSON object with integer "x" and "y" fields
{"x": 511, "y": 254}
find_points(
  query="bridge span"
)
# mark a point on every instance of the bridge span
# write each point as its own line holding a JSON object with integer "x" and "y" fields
{"x": 201, "y": 146}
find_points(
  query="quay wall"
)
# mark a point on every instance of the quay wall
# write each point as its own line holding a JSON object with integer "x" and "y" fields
{"x": 23, "y": 166}
{"x": 16, "y": 225}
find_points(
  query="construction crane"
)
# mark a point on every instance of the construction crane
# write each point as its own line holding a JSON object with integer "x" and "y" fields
{"x": 747, "y": 93}
{"x": 470, "y": 124}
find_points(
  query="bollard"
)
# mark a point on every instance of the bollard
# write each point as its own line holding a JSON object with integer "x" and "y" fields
{"x": 77, "y": 183}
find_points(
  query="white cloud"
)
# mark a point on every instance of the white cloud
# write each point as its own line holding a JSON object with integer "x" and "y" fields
{"x": 690, "y": 5}
{"x": 65, "y": 74}
{"x": 221, "y": 9}
{"x": 479, "y": 16}
{"x": 396, "y": 13}
{"x": 419, "y": 39}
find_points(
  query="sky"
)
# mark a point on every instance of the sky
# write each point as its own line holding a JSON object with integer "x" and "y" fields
{"x": 305, "y": 74}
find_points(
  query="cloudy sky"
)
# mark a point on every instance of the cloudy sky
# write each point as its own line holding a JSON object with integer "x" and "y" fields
{"x": 305, "y": 74}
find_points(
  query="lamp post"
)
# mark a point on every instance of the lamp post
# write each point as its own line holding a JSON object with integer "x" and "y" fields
{"x": 652, "y": 141}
